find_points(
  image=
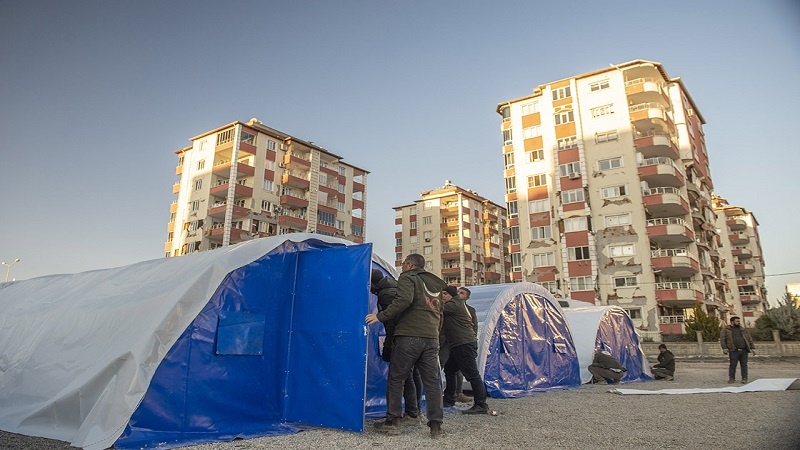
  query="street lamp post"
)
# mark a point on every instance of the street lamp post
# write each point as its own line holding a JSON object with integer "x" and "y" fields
{"x": 8, "y": 271}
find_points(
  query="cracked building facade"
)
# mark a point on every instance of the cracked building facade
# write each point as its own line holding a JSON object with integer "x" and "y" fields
{"x": 609, "y": 196}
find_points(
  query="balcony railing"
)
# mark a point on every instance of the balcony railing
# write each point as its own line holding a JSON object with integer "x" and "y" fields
{"x": 656, "y": 161}
{"x": 661, "y": 190}
{"x": 670, "y": 252}
{"x": 671, "y": 319}
{"x": 665, "y": 221}
{"x": 646, "y": 106}
{"x": 642, "y": 80}
{"x": 674, "y": 285}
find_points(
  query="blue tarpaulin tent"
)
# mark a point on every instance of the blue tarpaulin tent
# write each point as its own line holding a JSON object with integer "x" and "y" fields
{"x": 248, "y": 340}
{"x": 608, "y": 328}
{"x": 524, "y": 344}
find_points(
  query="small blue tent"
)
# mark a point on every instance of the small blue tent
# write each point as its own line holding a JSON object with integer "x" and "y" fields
{"x": 607, "y": 328}
{"x": 249, "y": 340}
{"x": 524, "y": 344}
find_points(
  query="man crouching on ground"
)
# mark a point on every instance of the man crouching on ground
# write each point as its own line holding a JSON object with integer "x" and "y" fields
{"x": 417, "y": 312}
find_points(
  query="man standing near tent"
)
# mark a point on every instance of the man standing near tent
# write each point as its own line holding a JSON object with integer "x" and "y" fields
{"x": 461, "y": 336}
{"x": 665, "y": 369}
{"x": 417, "y": 313}
{"x": 606, "y": 367}
{"x": 736, "y": 343}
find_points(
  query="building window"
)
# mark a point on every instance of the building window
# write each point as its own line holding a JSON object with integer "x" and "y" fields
{"x": 570, "y": 169}
{"x": 618, "y": 220}
{"x": 270, "y": 144}
{"x": 538, "y": 233}
{"x": 225, "y": 136}
{"x": 513, "y": 210}
{"x": 247, "y": 138}
{"x": 340, "y": 188}
{"x": 514, "y": 231}
{"x": 537, "y": 180}
{"x": 613, "y": 191}
{"x": 412, "y": 211}
{"x": 621, "y": 250}
{"x": 530, "y": 108}
{"x": 535, "y": 155}
{"x": 198, "y": 184}
{"x": 195, "y": 205}
{"x": 634, "y": 313}
{"x": 413, "y": 225}
{"x": 551, "y": 286}
{"x": 600, "y": 111}
{"x": 532, "y": 132}
{"x": 340, "y": 206}
{"x": 535, "y": 206}
{"x": 428, "y": 265}
{"x": 398, "y": 256}
{"x": 516, "y": 262}
{"x": 560, "y": 93}
{"x": 342, "y": 170}
{"x": 427, "y": 250}
{"x": 268, "y": 185}
{"x": 511, "y": 184}
{"x": 628, "y": 281}
{"x": 572, "y": 196}
{"x": 266, "y": 206}
{"x": 326, "y": 218}
{"x": 564, "y": 117}
{"x": 599, "y": 85}
{"x": 323, "y": 178}
{"x": 578, "y": 253}
{"x": 509, "y": 160}
{"x": 544, "y": 259}
{"x": 576, "y": 224}
{"x": 201, "y": 164}
{"x": 427, "y": 236}
{"x": 399, "y": 242}
{"x": 611, "y": 163}
{"x": 567, "y": 142}
{"x": 426, "y": 220}
{"x": 606, "y": 136}
{"x": 580, "y": 284}
{"x": 507, "y": 137}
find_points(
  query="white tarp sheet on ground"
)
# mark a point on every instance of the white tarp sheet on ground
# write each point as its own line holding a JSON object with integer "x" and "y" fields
{"x": 764, "y": 384}
{"x": 77, "y": 352}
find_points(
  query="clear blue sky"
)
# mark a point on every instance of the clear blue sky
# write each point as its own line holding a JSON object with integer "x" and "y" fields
{"x": 96, "y": 95}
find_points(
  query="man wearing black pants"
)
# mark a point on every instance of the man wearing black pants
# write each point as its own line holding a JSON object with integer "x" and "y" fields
{"x": 736, "y": 343}
{"x": 460, "y": 336}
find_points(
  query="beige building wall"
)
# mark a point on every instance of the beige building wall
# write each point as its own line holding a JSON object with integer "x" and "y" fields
{"x": 460, "y": 233}
{"x": 243, "y": 181}
{"x": 608, "y": 192}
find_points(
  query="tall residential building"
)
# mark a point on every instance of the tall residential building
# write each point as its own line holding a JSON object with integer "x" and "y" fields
{"x": 743, "y": 266}
{"x": 246, "y": 180}
{"x": 462, "y": 236}
{"x": 608, "y": 192}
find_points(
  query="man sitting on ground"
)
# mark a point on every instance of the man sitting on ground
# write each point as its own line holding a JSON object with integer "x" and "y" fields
{"x": 606, "y": 367}
{"x": 665, "y": 369}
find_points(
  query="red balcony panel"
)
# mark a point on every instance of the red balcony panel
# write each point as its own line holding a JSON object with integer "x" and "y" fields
{"x": 569, "y": 184}
{"x": 451, "y": 271}
{"x": 548, "y": 276}
{"x": 244, "y": 147}
{"x": 358, "y": 204}
{"x": 514, "y": 248}
{"x": 671, "y": 328}
{"x": 541, "y": 221}
{"x": 357, "y": 221}
{"x": 329, "y": 191}
{"x": 398, "y": 235}
{"x": 271, "y": 155}
{"x": 513, "y": 222}
{"x": 516, "y": 276}
{"x": 293, "y": 201}
{"x": 269, "y": 175}
{"x": 579, "y": 268}
{"x": 412, "y": 232}
{"x": 492, "y": 276}
{"x": 292, "y": 222}
{"x": 358, "y": 187}
{"x": 538, "y": 192}
{"x": 293, "y": 160}
{"x": 569, "y": 155}
{"x": 398, "y": 220}
{"x": 584, "y": 296}
{"x": 577, "y": 206}
{"x": 291, "y": 180}
{"x": 327, "y": 228}
{"x": 327, "y": 209}
{"x": 576, "y": 238}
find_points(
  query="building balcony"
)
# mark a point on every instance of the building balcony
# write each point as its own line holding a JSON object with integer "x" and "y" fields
{"x": 665, "y": 202}
{"x": 358, "y": 187}
{"x": 678, "y": 294}
{"x": 173, "y": 207}
{"x": 671, "y": 324}
{"x": 656, "y": 144}
{"x": 176, "y": 188}
{"x": 295, "y": 180}
{"x": 293, "y": 201}
{"x": 218, "y": 234}
{"x": 455, "y": 270}
{"x": 453, "y": 225}
{"x": 451, "y": 253}
{"x": 742, "y": 253}
{"x": 242, "y": 170}
{"x": 739, "y": 238}
{"x": 297, "y": 223}
{"x": 669, "y": 232}
{"x": 447, "y": 210}
{"x": 221, "y": 191}
{"x": 736, "y": 224}
{"x": 217, "y": 211}
{"x": 744, "y": 268}
{"x": 296, "y": 161}
{"x": 489, "y": 216}
{"x": 245, "y": 147}
{"x": 358, "y": 204}
{"x": 492, "y": 276}
{"x": 179, "y": 169}
{"x": 647, "y": 90}
{"x": 674, "y": 263}
{"x": 661, "y": 171}
{"x": 650, "y": 115}
{"x": 750, "y": 299}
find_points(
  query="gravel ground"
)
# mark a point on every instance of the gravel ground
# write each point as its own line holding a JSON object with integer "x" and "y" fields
{"x": 587, "y": 417}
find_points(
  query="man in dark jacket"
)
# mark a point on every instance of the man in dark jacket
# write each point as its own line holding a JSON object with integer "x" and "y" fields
{"x": 461, "y": 338}
{"x": 417, "y": 313}
{"x": 385, "y": 288}
{"x": 736, "y": 343}
{"x": 665, "y": 369}
{"x": 606, "y": 367}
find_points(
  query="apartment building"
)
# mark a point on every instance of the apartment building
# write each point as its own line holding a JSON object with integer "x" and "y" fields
{"x": 742, "y": 261}
{"x": 608, "y": 192}
{"x": 462, "y": 236}
{"x": 246, "y": 180}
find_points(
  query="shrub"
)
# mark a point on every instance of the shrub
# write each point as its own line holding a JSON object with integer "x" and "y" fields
{"x": 785, "y": 318}
{"x": 707, "y": 324}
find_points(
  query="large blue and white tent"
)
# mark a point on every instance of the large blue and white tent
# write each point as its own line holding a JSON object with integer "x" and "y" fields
{"x": 608, "y": 328}
{"x": 247, "y": 340}
{"x": 524, "y": 343}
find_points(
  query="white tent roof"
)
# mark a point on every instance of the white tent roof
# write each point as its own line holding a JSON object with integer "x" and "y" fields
{"x": 77, "y": 352}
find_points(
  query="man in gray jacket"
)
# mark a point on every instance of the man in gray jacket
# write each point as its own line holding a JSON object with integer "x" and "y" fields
{"x": 736, "y": 343}
{"x": 417, "y": 312}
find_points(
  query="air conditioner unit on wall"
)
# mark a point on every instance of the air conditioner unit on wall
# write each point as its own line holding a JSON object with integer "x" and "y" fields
{"x": 574, "y": 175}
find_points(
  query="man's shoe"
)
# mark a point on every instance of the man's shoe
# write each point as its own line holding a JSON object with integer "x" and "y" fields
{"x": 410, "y": 420}
{"x": 744, "y": 380}
{"x": 388, "y": 426}
{"x": 476, "y": 409}
{"x": 731, "y": 380}
{"x": 448, "y": 404}
{"x": 669, "y": 378}
{"x": 436, "y": 430}
{"x": 463, "y": 398}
